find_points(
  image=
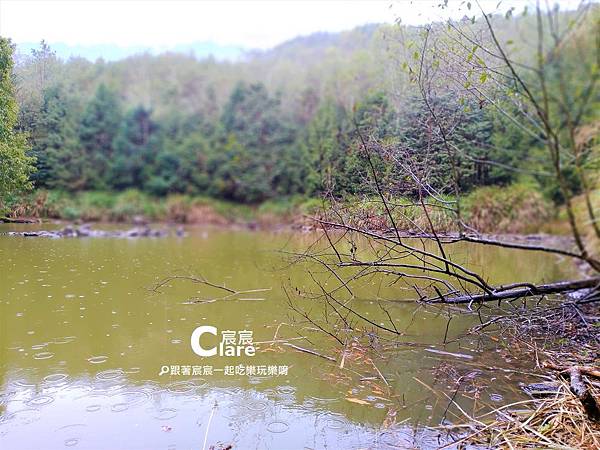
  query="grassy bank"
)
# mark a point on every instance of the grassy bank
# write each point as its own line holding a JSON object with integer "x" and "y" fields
{"x": 512, "y": 209}
{"x": 517, "y": 208}
{"x": 133, "y": 205}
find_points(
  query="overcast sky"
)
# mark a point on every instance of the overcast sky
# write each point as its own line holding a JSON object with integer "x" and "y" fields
{"x": 248, "y": 24}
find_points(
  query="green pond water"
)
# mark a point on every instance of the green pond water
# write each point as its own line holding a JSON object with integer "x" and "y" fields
{"x": 83, "y": 342}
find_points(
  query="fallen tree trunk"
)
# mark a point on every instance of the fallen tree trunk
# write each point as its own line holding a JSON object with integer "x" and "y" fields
{"x": 582, "y": 392}
{"x": 578, "y": 386}
{"x": 17, "y": 220}
{"x": 529, "y": 291}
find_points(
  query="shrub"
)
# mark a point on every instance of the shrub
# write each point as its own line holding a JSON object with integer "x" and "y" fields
{"x": 131, "y": 203}
{"x": 178, "y": 208}
{"x": 71, "y": 213}
{"x": 517, "y": 208}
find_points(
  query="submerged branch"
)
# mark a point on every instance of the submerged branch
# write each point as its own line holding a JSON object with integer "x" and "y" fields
{"x": 529, "y": 291}
{"x": 230, "y": 292}
{"x": 311, "y": 352}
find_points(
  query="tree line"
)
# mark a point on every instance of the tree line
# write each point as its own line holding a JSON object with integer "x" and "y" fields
{"x": 251, "y": 152}
{"x": 264, "y": 127}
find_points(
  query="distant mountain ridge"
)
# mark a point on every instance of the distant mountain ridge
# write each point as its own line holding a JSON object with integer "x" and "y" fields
{"x": 111, "y": 52}
{"x": 314, "y": 43}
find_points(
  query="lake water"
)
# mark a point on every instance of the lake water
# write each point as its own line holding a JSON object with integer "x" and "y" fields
{"x": 83, "y": 341}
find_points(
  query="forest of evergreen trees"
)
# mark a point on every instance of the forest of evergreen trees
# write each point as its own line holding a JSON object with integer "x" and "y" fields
{"x": 277, "y": 123}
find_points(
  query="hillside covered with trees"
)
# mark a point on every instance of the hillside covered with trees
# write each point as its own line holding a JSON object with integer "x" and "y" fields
{"x": 279, "y": 123}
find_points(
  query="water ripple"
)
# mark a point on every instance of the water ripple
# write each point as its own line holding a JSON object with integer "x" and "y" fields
{"x": 278, "y": 426}
{"x": 110, "y": 374}
{"x": 43, "y": 355}
{"x": 166, "y": 414}
{"x": 97, "y": 359}
{"x": 40, "y": 401}
{"x": 55, "y": 378}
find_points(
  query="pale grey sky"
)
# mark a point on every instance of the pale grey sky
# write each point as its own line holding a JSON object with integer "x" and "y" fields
{"x": 249, "y": 24}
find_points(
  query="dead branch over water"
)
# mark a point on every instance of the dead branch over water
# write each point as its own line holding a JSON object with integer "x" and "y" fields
{"x": 530, "y": 290}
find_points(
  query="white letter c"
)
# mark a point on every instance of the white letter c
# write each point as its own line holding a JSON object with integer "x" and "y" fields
{"x": 195, "y": 340}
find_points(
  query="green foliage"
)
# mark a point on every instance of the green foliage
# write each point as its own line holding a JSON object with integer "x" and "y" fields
{"x": 15, "y": 165}
{"x": 325, "y": 142}
{"x": 134, "y": 147}
{"x": 258, "y": 159}
{"x": 55, "y": 143}
{"x": 97, "y": 130}
{"x": 132, "y": 203}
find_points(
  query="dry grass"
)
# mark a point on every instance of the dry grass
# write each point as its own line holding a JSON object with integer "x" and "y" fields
{"x": 558, "y": 335}
{"x": 509, "y": 209}
{"x": 558, "y": 421}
